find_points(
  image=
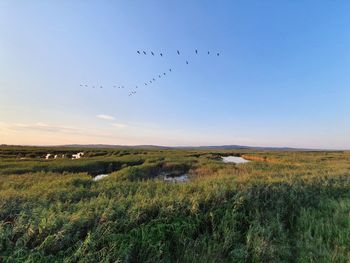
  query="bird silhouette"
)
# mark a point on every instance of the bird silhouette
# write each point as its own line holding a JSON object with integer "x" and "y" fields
{"x": 186, "y": 62}
{"x": 164, "y": 73}
{"x": 208, "y": 52}
{"x": 159, "y": 76}
{"x": 152, "y": 53}
{"x": 196, "y": 51}
{"x": 170, "y": 69}
{"x": 145, "y": 84}
{"x": 178, "y": 52}
{"x": 217, "y": 54}
{"x": 144, "y": 52}
{"x": 138, "y": 52}
{"x": 161, "y": 54}
{"x": 154, "y": 79}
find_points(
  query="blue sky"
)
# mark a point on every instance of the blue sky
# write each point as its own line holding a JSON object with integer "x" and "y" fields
{"x": 282, "y": 77}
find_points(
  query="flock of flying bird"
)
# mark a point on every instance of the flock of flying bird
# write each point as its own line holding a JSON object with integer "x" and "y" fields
{"x": 133, "y": 92}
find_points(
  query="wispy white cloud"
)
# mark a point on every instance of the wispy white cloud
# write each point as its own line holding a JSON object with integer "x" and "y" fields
{"x": 39, "y": 126}
{"x": 119, "y": 125}
{"x": 105, "y": 117}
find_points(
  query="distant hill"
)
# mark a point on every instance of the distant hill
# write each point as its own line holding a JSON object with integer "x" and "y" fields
{"x": 213, "y": 147}
{"x": 108, "y": 146}
{"x": 159, "y": 147}
{"x": 244, "y": 147}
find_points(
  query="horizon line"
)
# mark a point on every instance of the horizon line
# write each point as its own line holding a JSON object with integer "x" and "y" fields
{"x": 178, "y": 146}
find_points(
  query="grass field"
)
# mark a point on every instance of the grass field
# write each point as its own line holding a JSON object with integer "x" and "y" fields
{"x": 280, "y": 207}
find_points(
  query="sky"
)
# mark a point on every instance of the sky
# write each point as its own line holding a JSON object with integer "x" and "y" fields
{"x": 282, "y": 77}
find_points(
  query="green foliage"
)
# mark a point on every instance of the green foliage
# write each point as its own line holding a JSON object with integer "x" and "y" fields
{"x": 281, "y": 207}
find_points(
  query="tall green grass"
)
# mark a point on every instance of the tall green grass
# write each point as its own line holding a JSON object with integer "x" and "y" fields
{"x": 286, "y": 207}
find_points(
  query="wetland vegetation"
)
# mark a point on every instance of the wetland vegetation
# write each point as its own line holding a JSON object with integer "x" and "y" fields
{"x": 282, "y": 206}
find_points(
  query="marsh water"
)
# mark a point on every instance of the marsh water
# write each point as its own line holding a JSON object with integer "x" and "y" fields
{"x": 176, "y": 179}
{"x": 234, "y": 159}
{"x": 99, "y": 177}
